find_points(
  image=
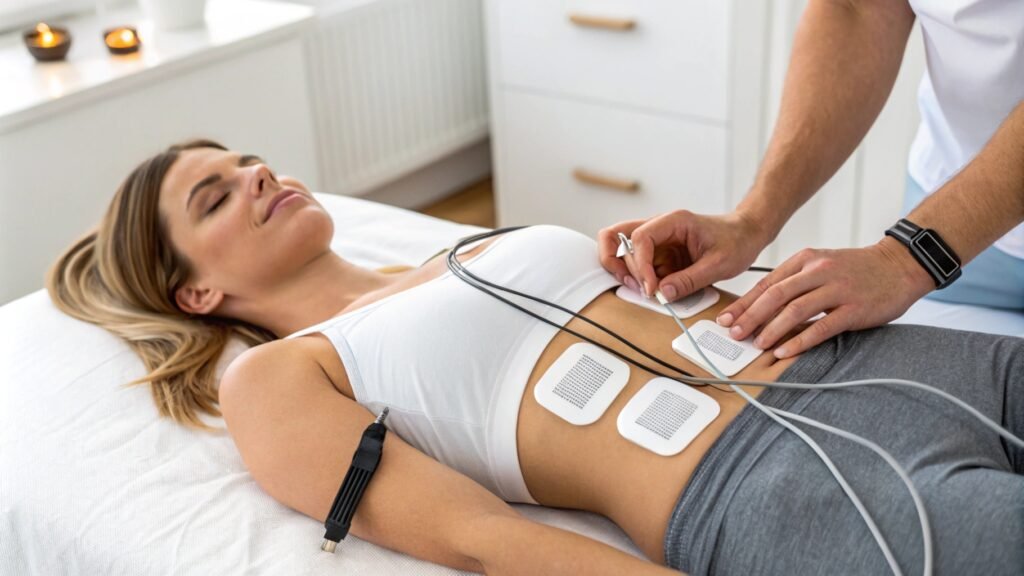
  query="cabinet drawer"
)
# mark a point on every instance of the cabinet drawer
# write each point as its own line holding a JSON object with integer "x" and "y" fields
{"x": 586, "y": 166}
{"x": 663, "y": 55}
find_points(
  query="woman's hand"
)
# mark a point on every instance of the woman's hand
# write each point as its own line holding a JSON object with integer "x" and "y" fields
{"x": 856, "y": 289}
{"x": 682, "y": 252}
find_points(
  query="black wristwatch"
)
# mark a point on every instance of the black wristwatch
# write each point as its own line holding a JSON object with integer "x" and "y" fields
{"x": 929, "y": 250}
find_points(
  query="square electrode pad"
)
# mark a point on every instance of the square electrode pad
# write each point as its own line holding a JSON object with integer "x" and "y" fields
{"x": 581, "y": 384}
{"x": 728, "y": 355}
{"x": 665, "y": 416}
{"x": 693, "y": 304}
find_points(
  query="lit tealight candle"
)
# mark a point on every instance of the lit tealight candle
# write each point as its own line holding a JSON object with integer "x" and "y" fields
{"x": 124, "y": 40}
{"x": 46, "y": 43}
{"x": 45, "y": 37}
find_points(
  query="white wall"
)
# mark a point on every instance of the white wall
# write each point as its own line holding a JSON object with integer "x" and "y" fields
{"x": 59, "y": 173}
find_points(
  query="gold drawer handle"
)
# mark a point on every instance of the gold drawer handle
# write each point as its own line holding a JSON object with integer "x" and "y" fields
{"x": 620, "y": 24}
{"x": 608, "y": 182}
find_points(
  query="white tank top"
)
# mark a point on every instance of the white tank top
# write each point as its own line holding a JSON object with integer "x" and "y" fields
{"x": 975, "y": 77}
{"x": 451, "y": 363}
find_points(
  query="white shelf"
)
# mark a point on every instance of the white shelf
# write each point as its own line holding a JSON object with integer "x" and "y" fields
{"x": 31, "y": 90}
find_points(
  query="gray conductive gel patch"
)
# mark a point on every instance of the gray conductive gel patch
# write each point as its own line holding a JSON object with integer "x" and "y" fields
{"x": 581, "y": 385}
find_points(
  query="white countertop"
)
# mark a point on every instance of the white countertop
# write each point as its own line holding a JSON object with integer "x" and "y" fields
{"x": 30, "y": 89}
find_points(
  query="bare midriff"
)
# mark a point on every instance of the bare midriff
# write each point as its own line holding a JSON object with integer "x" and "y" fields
{"x": 593, "y": 467}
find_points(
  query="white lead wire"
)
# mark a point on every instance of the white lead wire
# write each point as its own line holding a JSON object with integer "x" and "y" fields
{"x": 858, "y": 504}
{"x": 1009, "y": 436}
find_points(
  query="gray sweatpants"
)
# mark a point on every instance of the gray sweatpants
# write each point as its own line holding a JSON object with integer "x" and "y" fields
{"x": 761, "y": 502}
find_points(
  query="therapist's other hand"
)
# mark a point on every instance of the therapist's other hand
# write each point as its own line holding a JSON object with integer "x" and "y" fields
{"x": 857, "y": 288}
{"x": 681, "y": 252}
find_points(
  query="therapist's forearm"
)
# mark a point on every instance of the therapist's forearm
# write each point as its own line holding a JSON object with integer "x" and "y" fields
{"x": 846, "y": 56}
{"x": 986, "y": 199}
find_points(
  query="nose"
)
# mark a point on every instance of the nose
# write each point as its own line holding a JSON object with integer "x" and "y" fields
{"x": 262, "y": 176}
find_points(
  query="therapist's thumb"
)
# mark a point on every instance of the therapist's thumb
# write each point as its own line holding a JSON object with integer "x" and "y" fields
{"x": 680, "y": 284}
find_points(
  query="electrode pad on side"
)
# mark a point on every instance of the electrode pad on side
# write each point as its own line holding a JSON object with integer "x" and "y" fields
{"x": 728, "y": 355}
{"x": 666, "y": 415}
{"x": 581, "y": 384}
{"x": 684, "y": 307}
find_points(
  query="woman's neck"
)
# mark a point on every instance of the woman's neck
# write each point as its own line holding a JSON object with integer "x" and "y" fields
{"x": 320, "y": 290}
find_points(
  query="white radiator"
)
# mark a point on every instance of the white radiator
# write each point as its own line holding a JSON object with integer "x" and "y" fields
{"x": 395, "y": 85}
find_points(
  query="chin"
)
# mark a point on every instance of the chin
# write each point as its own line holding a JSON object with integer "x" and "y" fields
{"x": 311, "y": 232}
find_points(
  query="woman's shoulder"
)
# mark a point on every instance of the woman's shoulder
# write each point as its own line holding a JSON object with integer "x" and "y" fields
{"x": 293, "y": 353}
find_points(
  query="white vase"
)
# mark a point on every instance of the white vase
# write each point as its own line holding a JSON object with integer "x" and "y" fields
{"x": 175, "y": 14}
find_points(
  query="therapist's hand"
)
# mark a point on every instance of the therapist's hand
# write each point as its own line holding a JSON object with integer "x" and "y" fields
{"x": 681, "y": 252}
{"x": 857, "y": 288}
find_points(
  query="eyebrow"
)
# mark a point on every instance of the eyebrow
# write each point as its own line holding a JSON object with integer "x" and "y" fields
{"x": 243, "y": 160}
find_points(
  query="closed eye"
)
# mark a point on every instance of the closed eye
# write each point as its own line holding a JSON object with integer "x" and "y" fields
{"x": 218, "y": 203}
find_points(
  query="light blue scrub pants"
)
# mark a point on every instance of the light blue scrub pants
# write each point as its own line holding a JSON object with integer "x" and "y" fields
{"x": 993, "y": 278}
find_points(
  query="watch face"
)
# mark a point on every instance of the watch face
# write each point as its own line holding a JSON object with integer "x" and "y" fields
{"x": 935, "y": 252}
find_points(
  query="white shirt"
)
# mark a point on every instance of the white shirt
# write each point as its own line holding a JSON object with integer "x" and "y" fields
{"x": 451, "y": 363}
{"x": 975, "y": 77}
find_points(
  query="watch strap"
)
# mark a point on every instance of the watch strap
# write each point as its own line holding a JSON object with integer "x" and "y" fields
{"x": 930, "y": 251}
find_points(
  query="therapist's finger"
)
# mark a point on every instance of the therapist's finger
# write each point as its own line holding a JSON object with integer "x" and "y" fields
{"x": 733, "y": 311}
{"x": 690, "y": 279}
{"x": 634, "y": 272}
{"x": 608, "y": 246}
{"x": 774, "y": 301}
{"x": 836, "y": 321}
{"x": 659, "y": 231}
{"x": 794, "y": 313}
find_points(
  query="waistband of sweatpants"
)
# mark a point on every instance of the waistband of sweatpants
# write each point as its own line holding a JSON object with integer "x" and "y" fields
{"x": 693, "y": 526}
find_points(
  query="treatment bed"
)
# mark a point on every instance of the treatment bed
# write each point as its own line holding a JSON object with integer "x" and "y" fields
{"x": 93, "y": 482}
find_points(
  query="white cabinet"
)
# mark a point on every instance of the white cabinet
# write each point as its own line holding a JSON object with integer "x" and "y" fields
{"x": 66, "y": 146}
{"x": 670, "y": 56}
{"x": 667, "y": 104}
{"x": 611, "y": 110}
{"x": 584, "y": 165}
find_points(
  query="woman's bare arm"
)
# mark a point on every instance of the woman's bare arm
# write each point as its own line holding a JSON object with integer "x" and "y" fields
{"x": 297, "y": 434}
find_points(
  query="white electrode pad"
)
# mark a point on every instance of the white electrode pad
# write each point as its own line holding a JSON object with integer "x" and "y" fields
{"x": 728, "y": 355}
{"x": 666, "y": 415}
{"x": 693, "y": 304}
{"x": 581, "y": 384}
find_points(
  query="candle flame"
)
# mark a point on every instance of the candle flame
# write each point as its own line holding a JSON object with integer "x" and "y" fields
{"x": 46, "y": 37}
{"x": 121, "y": 38}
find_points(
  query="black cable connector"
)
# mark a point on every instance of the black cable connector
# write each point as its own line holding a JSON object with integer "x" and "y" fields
{"x": 364, "y": 464}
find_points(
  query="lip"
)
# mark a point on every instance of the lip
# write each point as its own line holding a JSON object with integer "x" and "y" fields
{"x": 282, "y": 196}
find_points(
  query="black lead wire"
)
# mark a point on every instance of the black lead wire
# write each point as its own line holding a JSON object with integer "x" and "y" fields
{"x": 469, "y": 278}
{"x": 465, "y": 275}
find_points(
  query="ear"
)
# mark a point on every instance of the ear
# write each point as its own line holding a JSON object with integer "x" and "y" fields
{"x": 197, "y": 300}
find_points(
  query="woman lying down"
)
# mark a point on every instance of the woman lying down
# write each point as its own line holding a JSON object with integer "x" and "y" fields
{"x": 201, "y": 243}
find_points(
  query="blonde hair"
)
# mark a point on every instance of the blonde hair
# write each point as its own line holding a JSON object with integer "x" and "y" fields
{"x": 123, "y": 275}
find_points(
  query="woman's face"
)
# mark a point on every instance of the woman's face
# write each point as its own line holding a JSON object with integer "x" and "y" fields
{"x": 216, "y": 204}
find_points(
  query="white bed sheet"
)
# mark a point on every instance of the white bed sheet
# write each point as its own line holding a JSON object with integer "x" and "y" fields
{"x": 964, "y": 317}
{"x": 93, "y": 482}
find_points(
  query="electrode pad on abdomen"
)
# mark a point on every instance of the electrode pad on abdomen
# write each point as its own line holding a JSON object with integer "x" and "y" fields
{"x": 666, "y": 415}
{"x": 686, "y": 307}
{"x": 728, "y": 355}
{"x": 581, "y": 384}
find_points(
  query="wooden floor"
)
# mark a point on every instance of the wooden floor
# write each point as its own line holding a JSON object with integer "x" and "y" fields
{"x": 474, "y": 205}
